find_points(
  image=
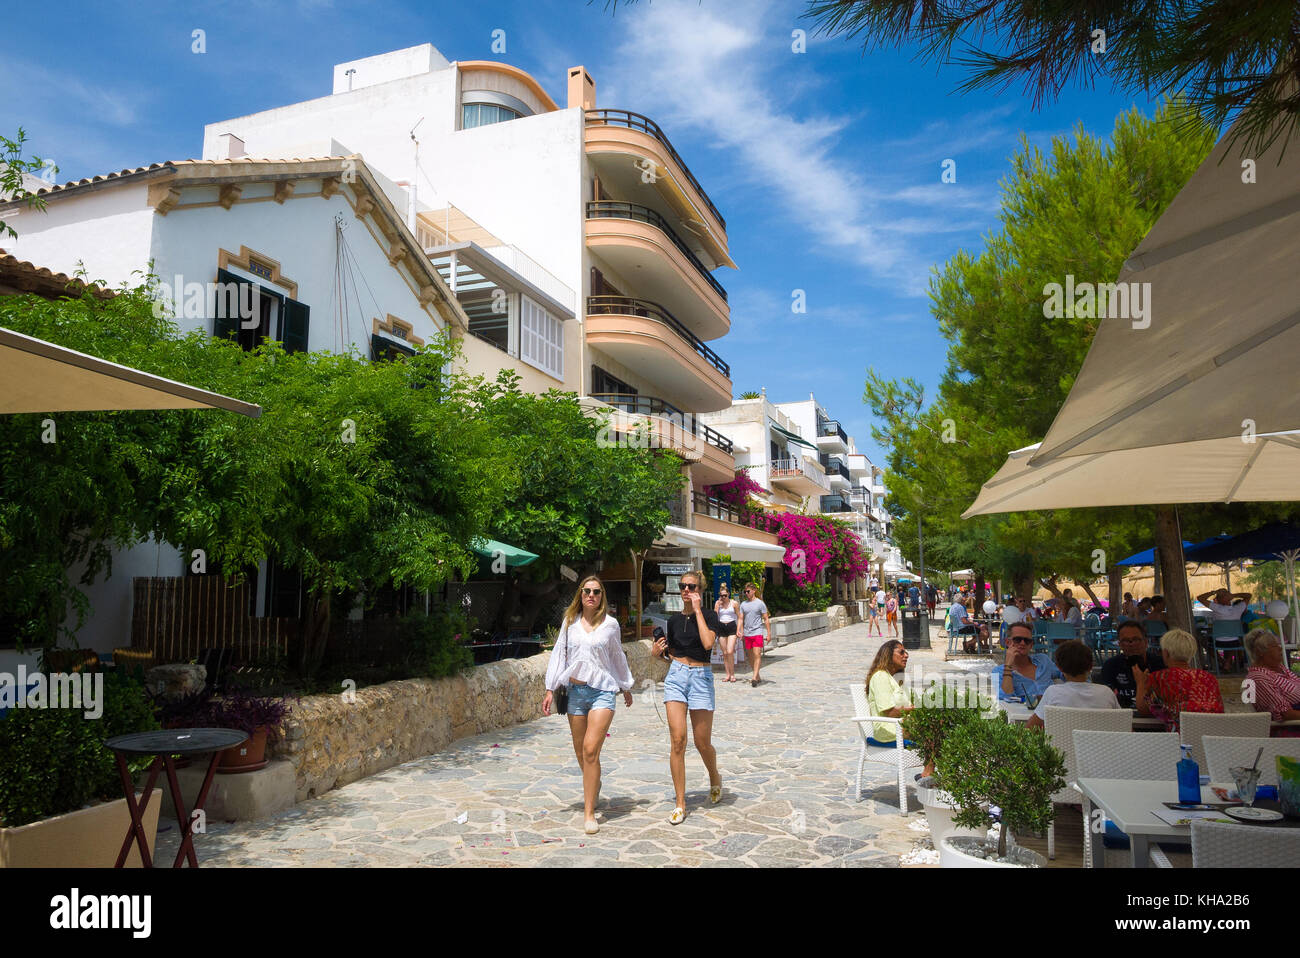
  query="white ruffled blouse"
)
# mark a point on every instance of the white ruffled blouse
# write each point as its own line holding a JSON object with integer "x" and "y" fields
{"x": 594, "y": 657}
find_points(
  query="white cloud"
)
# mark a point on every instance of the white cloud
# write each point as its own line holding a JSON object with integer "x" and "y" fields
{"x": 34, "y": 84}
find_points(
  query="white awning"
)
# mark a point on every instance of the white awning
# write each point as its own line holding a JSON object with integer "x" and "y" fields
{"x": 1214, "y": 355}
{"x": 893, "y": 568}
{"x": 705, "y": 545}
{"x": 1212, "y": 470}
{"x": 961, "y": 574}
{"x": 41, "y": 377}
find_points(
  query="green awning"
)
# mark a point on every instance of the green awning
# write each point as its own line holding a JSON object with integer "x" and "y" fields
{"x": 793, "y": 437}
{"x": 491, "y": 549}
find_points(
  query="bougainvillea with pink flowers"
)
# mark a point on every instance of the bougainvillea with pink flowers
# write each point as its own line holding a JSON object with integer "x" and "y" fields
{"x": 737, "y": 492}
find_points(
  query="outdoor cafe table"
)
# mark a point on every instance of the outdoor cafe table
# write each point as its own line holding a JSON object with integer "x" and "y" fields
{"x": 163, "y": 745}
{"x": 1130, "y": 805}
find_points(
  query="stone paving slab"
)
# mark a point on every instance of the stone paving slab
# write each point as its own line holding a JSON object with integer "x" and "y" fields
{"x": 513, "y": 797}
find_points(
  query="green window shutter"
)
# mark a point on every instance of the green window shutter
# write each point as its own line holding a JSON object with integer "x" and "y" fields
{"x": 293, "y": 329}
{"x": 225, "y": 321}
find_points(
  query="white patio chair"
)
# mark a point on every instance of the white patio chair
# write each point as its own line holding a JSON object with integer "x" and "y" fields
{"x": 1195, "y": 725}
{"x": 1134, "y": 756}
{"x": 1221, "y": 845}
{"x": 1222, "y": 753}
{"x": 903, "y": 759}
{"x": 1060, "y": 725}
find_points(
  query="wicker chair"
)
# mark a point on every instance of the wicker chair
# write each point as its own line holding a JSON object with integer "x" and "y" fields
{"x": 1196, "y": 725}
{"x": 1127, "y": 755}
{"x": 1223, "y": 753}
{"x": 903, "y": 759}
{"x": 1220, "y": 845}
{"x": 128, "y": 660}
{"x": 1060, "y": 725}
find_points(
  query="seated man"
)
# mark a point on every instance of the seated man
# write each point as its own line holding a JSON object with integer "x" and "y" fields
{"x": 1225, "y": 605}
{"x": 962, "y": 625}
{"x": 1117, "y": 671}
{"x": 1075, "y": 660}
{"x": 1024, "y": 671}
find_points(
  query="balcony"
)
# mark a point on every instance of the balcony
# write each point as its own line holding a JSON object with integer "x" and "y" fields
{"x": 838, "y": 472}
{"x": 799, "y": 476}
{"x": 834, "y": 504}
{"x": 859, "y": 467}
{"x": 714, "y": 515}
{"x": 707, "y": 450}
{"x": 640, "y": 245}
{"x": 831, "y": 438}
{"x": 647, "y": 337}
{"x": 624, "y": 147}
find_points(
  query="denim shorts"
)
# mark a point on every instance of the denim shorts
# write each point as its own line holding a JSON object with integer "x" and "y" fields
{"x": 584, "y": 698}
{"x": 694, "y": 686}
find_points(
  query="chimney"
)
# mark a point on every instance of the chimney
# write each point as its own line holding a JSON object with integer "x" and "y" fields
{"x": 229, "y": 147}
{"x": 582, "y": 89}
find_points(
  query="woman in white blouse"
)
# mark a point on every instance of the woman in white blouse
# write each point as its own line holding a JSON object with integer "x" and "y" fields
{"x": 727, "y": 610}
{"x": 588, "y": 658}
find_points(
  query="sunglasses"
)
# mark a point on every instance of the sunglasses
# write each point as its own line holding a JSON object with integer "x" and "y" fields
{"x": 1022, "y": 640}
{"x": 591, "y": 592}
{"x": 690, "y": 587}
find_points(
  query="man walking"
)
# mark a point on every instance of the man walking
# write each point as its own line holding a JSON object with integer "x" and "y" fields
{"x": 756, "y": 624}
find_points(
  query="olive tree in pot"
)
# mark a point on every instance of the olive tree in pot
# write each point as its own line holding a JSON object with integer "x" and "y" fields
{"x": 937, "y": 712}
{"x": 990, "y": 764}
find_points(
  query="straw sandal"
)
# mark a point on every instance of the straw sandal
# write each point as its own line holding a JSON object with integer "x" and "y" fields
{"x": 592, "y": 827}
{"x": 677, "y": 817}
{"x": 715, "y": 793}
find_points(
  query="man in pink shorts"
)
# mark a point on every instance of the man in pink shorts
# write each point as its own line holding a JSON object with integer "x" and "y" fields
{"x": 755, "y": 625}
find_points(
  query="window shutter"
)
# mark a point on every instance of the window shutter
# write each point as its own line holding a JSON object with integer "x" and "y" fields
{"x": 225, "y": 321}
{"x": 385, "y": 349}
{"x": 293, "y": 328}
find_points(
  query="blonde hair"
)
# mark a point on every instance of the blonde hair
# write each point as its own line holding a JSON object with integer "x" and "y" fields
{"x": 575, "y": 607}
{"x": 1179, "y": 645}
{"x": 1257, "y": 641}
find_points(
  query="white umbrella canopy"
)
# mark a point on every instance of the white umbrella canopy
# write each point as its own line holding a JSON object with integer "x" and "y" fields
{"x": 1214, "y": 356}
{"x": 37, "y": 376}
{"x": 1211, "y": 470}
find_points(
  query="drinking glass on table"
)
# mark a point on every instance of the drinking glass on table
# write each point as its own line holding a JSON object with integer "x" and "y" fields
{"x": 1246, "y": 779}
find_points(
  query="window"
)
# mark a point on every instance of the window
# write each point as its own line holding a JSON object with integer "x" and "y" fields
{"x": 489, "y": 323}
{"x": 383, "y": 349}
{"x": 277, "y": 316}
{"x": 603, "y": 382}
{"x": 541, "y": 338}
{"x": 485, "y": 114}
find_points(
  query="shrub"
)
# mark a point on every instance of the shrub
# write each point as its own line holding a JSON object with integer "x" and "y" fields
{"x": 238, "y": 709}
{"x": 435, "y": 643}
{"x": 938, "y": 712}
{"x": 793, "y": 597}
{"x": 990, "y": 763}
{"x": 55, "y": 760}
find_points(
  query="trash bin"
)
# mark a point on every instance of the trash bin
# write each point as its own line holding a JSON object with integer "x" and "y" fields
{"x": 916, "y": 629}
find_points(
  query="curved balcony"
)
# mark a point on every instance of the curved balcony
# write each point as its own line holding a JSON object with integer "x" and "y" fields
{"x": 648, "y": 338}
{"x": 635, "y": 157}
{"x": 708, "y": 451}
{"x": 641, "y": 246}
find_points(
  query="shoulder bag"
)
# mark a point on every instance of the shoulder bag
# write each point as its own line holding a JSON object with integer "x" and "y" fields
{"x": 561, "y": 696}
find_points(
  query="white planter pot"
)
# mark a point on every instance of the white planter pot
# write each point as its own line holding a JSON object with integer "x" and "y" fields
{"x": 86, "y": 838}
{"x": 939, "y": 812}
{"x": 953, "y": 857}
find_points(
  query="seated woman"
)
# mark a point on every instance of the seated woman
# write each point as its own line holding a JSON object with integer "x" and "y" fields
{"x": 885, "y": 696}
{"x": 1178, "y": 687}
{"x": 1077, "y": 692}
{"x": 1276, "y": 689}
{"x": 1024, "y": 671}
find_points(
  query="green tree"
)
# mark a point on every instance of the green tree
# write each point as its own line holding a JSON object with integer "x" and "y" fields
{"x": 13, "y": 168}
{"x": 582, "y": 492}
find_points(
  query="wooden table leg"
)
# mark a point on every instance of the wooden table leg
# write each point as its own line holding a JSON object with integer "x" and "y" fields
{"x": 187, "y": 827}
{"x": 136, "y": 831}
{"x": 186, "y": 851}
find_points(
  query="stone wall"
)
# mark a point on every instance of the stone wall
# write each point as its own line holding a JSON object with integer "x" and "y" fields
{"x": 331, "y": 741}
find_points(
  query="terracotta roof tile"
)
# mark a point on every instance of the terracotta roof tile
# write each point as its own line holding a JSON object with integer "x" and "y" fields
{"x": 28, "y": 277}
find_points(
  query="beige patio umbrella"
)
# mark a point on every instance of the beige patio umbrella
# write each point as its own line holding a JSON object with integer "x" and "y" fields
{"x": 1214, "y": 356}
{"x": 37, "y": 376}
{"x": 1210, "y": 470}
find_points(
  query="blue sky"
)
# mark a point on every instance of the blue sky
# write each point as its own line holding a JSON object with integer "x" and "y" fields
{"x": 827, "y": 164}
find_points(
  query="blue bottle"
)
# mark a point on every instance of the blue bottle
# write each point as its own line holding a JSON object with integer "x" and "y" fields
{"x": 1189, "y": 778}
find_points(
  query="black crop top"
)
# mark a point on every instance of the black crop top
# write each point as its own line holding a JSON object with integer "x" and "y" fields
{"x": 684, "y": 635}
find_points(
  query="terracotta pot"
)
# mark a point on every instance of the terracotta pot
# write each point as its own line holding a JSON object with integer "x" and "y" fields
{"x": 241, "y": 758}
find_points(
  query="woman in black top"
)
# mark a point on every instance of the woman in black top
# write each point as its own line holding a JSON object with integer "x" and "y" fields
{"x": 689, "y": 687}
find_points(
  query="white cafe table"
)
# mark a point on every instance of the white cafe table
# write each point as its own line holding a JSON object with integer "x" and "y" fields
{"x": 1020, "y": 712}
{"x": 1130, "y": 804}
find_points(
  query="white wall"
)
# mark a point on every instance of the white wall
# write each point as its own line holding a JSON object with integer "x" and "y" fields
{"x": 106, "y": 229}
{"x": 388, "y": 66}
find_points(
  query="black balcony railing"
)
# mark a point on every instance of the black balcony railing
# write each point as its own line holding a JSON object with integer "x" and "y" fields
{"x": 715, "y": 508}
{"x": 638, "y": 405}
{"x": 628, "y": 306}
{"x": 635, "y": 121}
{"x": 835, "y": 504}
{"x": 831, "y": 427}
{"x": 610, "y": 209}
{"x": 834, "y": 465}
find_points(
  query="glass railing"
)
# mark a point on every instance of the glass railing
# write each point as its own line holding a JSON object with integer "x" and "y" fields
{"x": 831, "y": 427}
{"x": 629, "y": 306}
{"x": 610, "y": 209}
{"x": 635, "y": 121}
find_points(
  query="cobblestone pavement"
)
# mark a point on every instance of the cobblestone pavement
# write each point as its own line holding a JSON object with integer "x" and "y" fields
{"x": 786, "y": 750}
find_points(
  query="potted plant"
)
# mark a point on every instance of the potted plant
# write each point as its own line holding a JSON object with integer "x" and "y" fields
{"x": 937, "y": 712}
{"x": 61, "y": 803}
{"x": 260, "y": 717}
{"x": 1003, "y": 773}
